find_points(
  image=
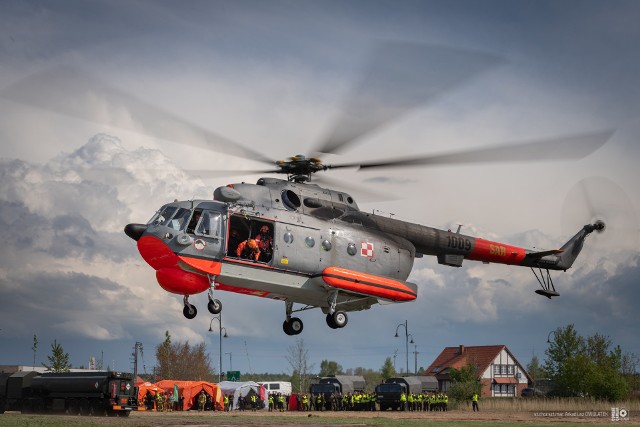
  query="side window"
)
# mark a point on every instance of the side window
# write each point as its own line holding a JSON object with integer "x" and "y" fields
{"x": 209, "y": 224}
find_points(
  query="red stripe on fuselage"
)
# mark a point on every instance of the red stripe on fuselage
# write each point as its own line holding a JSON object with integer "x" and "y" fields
{"x": 488, "y": 251}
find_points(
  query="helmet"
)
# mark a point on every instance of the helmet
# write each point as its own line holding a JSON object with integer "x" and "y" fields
{"x": 252, "y": 244}
{"x": 264, "y": 229}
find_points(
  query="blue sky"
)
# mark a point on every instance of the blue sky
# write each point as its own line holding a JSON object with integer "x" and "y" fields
{"x": 274, "y": 75}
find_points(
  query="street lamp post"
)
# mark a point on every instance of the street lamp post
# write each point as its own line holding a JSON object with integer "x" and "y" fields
{"x": 406, "y": 336}
{"x": 220, "y": 328}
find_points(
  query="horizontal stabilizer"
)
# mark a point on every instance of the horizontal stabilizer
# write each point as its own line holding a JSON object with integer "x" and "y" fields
{"x": 537, "y": 255}
{"x": 547, "y": 293}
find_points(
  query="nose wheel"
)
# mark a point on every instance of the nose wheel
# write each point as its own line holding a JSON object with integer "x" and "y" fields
{"x": 190, "y": 311}
{"x": 214, "y": 306}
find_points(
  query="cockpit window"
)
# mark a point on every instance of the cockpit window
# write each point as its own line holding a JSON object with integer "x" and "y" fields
{"x": 210, "y": 224}
{"x": 179, "y": 220}
{"x": 163, "y": 216}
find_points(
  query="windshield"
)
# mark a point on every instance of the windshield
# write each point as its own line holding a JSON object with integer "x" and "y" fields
{"x": 163, "y": 216}
{"x": 389, "y": 388}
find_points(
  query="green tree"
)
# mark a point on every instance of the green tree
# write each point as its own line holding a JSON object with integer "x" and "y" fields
{"x": 535, "y": 370}
{"x": 182, "y": 361}
{"x": 464, "y": 382}
{"x": 387, "y": 370}
{"x": 58, "y": 359}
{"x": 585, "y": 367}
{"x": 329, "y": 368}
{"x": 296, "y": 382}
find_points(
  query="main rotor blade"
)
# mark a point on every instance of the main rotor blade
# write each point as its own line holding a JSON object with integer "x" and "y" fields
{"x": 562, "y": 148}
{"x": 214, "y": 173}
{"x": 398, "y": 77}
{"x": 77, "y": 94}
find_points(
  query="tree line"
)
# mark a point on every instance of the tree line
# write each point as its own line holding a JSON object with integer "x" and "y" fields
{"x": 574, "y": 366}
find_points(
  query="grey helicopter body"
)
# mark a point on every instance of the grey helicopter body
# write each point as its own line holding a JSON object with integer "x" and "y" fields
{"x": 323, "y": 250}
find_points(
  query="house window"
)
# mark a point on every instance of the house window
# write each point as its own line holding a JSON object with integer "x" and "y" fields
{"x": 504, "y": 370}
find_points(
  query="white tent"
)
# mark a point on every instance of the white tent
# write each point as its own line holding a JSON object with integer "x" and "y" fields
{"x": 238, "y": 389}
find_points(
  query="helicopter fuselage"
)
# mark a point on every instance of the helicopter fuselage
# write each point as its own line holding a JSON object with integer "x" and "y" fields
{"x": 304, "y": 244}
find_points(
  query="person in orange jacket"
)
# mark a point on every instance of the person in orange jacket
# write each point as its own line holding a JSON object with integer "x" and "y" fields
{"x": 248, "y": 249}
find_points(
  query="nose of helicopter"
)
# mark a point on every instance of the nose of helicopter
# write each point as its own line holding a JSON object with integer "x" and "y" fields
{"x": 135, "y": 231}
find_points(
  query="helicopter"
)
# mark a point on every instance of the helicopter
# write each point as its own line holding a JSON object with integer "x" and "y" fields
{"x": 313, "y": 246}
{"x": 295, "y": 241}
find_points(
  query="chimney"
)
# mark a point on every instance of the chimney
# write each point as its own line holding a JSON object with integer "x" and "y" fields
{"x": 461, "y": 349}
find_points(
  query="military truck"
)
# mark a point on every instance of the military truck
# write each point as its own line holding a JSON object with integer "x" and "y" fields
{"x": 388, "y": 395}
{"x": 330, "y": 387}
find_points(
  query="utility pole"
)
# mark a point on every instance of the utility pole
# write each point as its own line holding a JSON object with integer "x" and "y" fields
{"x": 137, "y": 347}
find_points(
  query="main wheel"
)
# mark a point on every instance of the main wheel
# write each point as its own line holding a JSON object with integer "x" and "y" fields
{"x": 295, "y": 325}
{"x": 214, "y": 306}
{"x": 330, "y": 322}
{"x": 73, "y": 407}
{"x": 97, "y": 408}
{"x": 286, "y": 328}
{"x": 340, "y": 319}
{"x": 85, "y": 408}
{"x": 189, "y": 311}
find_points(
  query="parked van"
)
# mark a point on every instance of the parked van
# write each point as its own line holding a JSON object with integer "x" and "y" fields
{"x": 282, "y": 387}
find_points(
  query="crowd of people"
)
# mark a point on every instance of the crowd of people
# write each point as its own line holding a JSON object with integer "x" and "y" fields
{"x": 357, "y": 401}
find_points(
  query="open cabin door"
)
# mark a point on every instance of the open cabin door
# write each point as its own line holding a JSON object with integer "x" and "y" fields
{"x": 250, "y": 239}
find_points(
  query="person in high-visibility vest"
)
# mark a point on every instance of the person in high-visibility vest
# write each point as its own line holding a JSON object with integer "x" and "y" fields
{"x": 226, "y": 402}
{"x": 202, "y": 399}
{"x": 403, "y": 401}
{"x": 474, "y": 402}
{"x": 254, "y": 402}
{"x": 281, "y": 402}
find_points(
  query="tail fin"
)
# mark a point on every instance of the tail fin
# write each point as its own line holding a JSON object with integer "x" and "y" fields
{"x": 572, "y": 248}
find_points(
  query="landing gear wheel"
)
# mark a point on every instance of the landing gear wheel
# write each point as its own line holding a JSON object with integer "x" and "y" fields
{"x": 189, "y": 311}
{"x": 330, "y": 322}
{"x": 286, "y": 329}
{"x": 214, "y": 306}
{"x": 295, "y": 325}
{"x": 340, "y": 319}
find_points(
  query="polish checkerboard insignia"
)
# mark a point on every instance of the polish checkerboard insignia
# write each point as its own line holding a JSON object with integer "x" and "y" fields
{"x": 366, "y": 249}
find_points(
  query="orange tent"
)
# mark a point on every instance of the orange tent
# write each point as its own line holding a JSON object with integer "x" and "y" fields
{"x": 147, "y": 386}
{"x": 189, "y": 389}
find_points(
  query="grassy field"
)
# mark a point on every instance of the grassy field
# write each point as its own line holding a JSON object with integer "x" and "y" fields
{"x": 453, "y": 418}
{"x": 578, "y": 404}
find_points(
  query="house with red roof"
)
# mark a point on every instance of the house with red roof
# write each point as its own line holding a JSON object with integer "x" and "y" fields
{"x": 499, "y": 372}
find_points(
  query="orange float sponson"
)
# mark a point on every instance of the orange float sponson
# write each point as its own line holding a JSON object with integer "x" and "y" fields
{"x": 368, "y": 284}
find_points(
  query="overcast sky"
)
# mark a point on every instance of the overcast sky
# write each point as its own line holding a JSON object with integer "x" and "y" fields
{"x": 76, "y": 166}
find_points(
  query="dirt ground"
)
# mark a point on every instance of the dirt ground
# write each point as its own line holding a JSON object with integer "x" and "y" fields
{"x": 362, "y": 418}
{"x": 264, "y": 418}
